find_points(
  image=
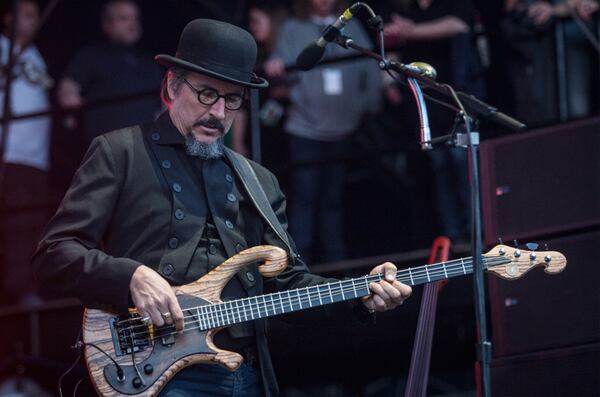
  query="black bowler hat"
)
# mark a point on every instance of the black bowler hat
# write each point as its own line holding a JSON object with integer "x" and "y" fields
{"x": 216, "y": 49}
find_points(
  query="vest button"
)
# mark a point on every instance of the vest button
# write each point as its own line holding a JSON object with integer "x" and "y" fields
{"x": 166, "y": 164}
{"x": 177, "y": 187}
{"x": 168, "y": 269}
{"x": 231, "y": 197}
{"x": 250, "y": 276}
{"x": 229, "y": 224}
{"x": 239, "y": 248}
{"x": 155, "y": 136}
{"x": 173, "y": 242}
{"x": 179, "y": 214}
{"x": 212, "y": 249}
{"x": 228, "y": 178}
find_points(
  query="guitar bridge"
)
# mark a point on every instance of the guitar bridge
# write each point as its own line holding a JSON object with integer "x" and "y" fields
{"x": 130, "y": 334}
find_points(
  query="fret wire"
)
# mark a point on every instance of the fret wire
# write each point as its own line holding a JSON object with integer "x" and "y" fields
{"x": 211, "y": 311}
{"x": 319, "y": 295}
{"x": 290, "y": 299}
{"x": 237, "y": 306}
{"x": 281, "y": 302}
{"x": 200, "y": 318}
{"x": 427, "y": 272}
{"x": 299, "y": 298}
{"x": 220, "y": 316}
{"x": 444, "y": 267}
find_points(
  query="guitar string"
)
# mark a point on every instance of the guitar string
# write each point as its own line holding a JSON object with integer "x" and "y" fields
{"x": 219, "y": 315}
{"x": 415, "y": 272}
{"x": 212, "y": 318}
{"x": 213, "y": 311}
{"x": 200, "y": 327}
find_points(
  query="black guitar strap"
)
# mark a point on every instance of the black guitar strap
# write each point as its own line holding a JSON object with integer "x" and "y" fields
{"x": 248, "y": 177}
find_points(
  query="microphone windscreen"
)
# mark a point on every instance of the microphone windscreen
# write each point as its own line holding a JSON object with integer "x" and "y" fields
{"x": 310, "y": 56}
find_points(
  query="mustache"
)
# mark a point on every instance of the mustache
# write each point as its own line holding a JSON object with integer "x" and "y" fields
{"x": 211, "y": 122}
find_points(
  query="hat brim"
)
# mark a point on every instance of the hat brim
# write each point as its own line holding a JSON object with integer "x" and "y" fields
{"x": 170, "y": 61}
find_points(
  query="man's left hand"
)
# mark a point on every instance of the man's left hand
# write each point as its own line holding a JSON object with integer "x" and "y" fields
{"x": 389, "y": 292}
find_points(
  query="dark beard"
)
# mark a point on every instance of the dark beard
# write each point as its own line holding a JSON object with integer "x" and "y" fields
{"x": 204, "y": 151}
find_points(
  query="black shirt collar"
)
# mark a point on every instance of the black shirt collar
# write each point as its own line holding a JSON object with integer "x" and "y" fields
{"x": 168, "y": 134}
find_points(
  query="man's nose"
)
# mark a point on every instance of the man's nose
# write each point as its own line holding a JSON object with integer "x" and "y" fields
{"x": 217, "y": 109}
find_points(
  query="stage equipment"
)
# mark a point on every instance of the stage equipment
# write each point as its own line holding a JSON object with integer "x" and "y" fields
{"x": 560, "y": 164}
{"x": 467, "y": 108}
{"x": 543, "y": 313}
{"x": 571, "y": 371}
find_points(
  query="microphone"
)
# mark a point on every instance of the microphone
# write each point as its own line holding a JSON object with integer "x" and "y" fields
{"x": 312, "y": 53}
{"x": 424, "y": 69}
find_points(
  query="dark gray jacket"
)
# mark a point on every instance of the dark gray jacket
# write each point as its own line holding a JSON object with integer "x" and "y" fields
{"x": 122, "y": 210}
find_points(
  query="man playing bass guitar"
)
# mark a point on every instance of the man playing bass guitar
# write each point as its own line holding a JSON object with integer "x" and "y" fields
{"x": 164, "y": 203}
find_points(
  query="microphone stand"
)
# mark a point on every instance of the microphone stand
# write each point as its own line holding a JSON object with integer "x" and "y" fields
{"x": 415, "y": 77}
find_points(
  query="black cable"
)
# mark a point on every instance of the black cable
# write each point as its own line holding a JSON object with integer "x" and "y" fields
{"x": 60, "y": 393}
{"x": 120, "y": 373}
{"x": 77, "y": 386}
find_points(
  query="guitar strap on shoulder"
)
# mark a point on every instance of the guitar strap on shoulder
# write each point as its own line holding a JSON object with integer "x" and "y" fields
{"x": 258, "y": 196}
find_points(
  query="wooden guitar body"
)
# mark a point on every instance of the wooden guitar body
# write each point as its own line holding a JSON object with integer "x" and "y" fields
{"x": 157, "y": 357}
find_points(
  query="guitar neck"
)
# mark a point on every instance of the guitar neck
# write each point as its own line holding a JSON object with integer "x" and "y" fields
{"x": 262, "y": 306}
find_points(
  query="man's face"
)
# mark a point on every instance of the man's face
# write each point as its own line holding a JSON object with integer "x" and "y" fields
{"x": 206, "y": 123}
{"x": 28, "y": 19}
{"x": 122, "y": 24}
{"x": 259, "y": 24}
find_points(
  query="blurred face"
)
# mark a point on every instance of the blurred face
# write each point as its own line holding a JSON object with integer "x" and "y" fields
{"x": 28, "y": 19}
{"x": 322, "y": 8}
{"x": 259, "y": 25}
{"x": 122, "y": 24}
{"x": 206, "y": 123}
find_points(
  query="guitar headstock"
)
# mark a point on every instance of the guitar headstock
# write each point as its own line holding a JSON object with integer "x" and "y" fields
{"x": 522, "y": 261}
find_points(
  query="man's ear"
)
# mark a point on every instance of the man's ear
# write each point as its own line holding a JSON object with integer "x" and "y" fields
{"x": 170, "y": 90}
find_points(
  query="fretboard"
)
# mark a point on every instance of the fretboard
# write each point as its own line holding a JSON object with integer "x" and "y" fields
{"x": 261, "y": 306}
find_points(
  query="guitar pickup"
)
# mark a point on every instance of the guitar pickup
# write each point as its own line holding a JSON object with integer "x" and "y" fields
{"x": 168, "y": 337}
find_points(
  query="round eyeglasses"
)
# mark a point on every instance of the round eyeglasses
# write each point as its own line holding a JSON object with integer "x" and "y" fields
{"x": 210, "y": 96}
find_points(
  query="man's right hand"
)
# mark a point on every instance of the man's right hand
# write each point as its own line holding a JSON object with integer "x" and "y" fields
{"x": 154, "y": 298}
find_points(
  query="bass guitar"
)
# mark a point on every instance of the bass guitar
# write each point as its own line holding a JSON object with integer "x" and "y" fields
{"x": 125, "y": 356}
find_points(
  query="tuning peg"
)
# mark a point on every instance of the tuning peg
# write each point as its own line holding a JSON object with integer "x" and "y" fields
{"x": 501, "y": 251}
{"x": 517, "y": 251}
{"x": 547, "y": 258}
{"x": 532, "y": 247}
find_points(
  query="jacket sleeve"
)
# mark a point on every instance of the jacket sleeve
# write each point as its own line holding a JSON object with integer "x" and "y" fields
{"x": 297, "y": 274}
{"x": 69, "y": 260}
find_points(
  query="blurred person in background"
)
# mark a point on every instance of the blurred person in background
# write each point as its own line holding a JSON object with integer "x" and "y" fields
{"x": 112, "y": 69}
{"x": 24, "y": 190}
{"x": 327, "y": 105}
{"x": 264, "y": 21}
{"x": 529, "y": 29}
{"x": 440, "y": 33}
